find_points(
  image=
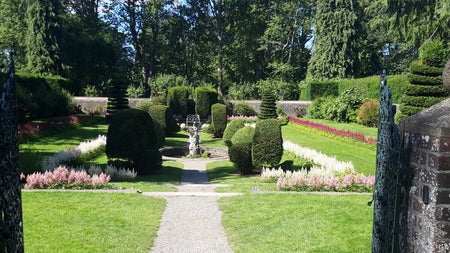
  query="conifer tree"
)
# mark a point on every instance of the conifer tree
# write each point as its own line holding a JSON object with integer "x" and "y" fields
{"x": 42, "y": 37}
{"x": 336, "y": 31}
{"x": 268, "y": 108}
{"x": 117, "y": 99}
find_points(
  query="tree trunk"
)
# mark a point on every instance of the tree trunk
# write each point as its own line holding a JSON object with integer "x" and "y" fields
{"x": 11, "y": 231}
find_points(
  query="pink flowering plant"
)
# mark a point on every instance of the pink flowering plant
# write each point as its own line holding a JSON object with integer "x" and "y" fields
{"x": 344, "y": 133}
{"x": 327, "y": 174}
{"x": 63, "y": 178}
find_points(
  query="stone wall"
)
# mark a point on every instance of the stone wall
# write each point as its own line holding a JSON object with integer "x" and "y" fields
{"x": 426, "y": 150}
{"x": 91, "y": 104}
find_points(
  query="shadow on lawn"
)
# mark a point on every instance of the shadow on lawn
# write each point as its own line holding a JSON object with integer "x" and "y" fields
{"x": 168, "y": 174}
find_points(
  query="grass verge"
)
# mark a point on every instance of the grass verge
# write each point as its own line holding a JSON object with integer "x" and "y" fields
{"x": 297, "y": 223}
{"x": 363, "y": 158}
{"x": 89, "y": 222}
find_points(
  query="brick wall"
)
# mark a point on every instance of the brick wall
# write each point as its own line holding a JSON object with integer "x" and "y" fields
{"x": 426, "y": 150}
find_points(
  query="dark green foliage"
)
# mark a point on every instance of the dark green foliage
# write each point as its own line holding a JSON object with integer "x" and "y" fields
{"x": 240, "y": 155}
{"x": 281, "y": 90}
{"x": 338, "y": 35}
{"x": 164, "y": 116}
{"x": 160, "y": 134}
{"x": 204, "y": 97}
{"x": 131, "y": 136}
{"x": 177, "y": 99}
{"x": 268, "y": 108}
{"x": 433, "y": 53}
{"x": 267, "y": 146}
{"x": 425, "y": 88}
{"x": 232, "y": 128}
{"x": 162, "y": 83}
{"x": 41, "y": 97}
{"x": 424, "y": 80}
{"x": 144, "y": 105}
{"x": 242, "y": 91}
{"x": 243, "y": 135}
{"x": 422, "y": 90}
{"x": 244, "y": 109}
{"x": 218, "y": 119}
{"x": 418, "y": 68}
{"x": 316, "y": 89}
{"x": 117, "y": 99}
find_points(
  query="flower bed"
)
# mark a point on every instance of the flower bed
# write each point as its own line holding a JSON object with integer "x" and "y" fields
{"x": 331, "y": 130}
{"x": 328, "y": 174}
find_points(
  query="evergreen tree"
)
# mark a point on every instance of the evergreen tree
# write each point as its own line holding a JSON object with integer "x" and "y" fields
{"x": 42, "y": 37}
{"x": 117, "y": 99}
{"x": 268, "y": 108}
{"x": 335, "y": 50}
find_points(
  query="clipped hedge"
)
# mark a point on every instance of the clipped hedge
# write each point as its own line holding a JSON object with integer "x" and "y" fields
{"x": 418, "y": 68}
{"x": 231, "y": 129}
{"x": 268, "y": 107}
{"x": 131, "y": 137}
{"x": 243, "y": 135}
{"x": 316, "y": 89}
{"x": 420, "y": 101}
{"x": 243, "y": 108}
{"x": 164, "y": 116}
{"x": 117, "y": 99}
{"x": 241, "y": 156}
{"x": 177, "y": 99}
{"x": 426, "y": 90}
{"x": 205, "y": 97}
{"x": 424, "y": 80}
{"x": 218, "y": 119}
{"x": 267, "y": 146}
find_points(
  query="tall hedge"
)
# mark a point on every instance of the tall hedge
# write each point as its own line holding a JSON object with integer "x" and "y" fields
{"x": 164, "y": 116}
{"x": 131, "y": 137}
{"x": 117, "y": 99}
{"x": 267, "y": 148}
{"x": 268, "y": 107}
{"x": 177, "y": 99}
{"x": 315, "y": 89}
{"x": 218, "y": 119}
{"x": 205, "y": 97}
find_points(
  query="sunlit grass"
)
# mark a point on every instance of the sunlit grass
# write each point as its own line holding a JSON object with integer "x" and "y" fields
{"x": 89, "y": 222}
{"x": 297, "y": 223}
{"x": 353, "y": 127}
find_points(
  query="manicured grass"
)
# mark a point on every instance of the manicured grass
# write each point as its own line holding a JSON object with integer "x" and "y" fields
{"x": 298, "y": 223}
{"x": 223, "y": 172}
{"x": 32, "y": 153}
{"x": 170, "y": 174}
{"x": 89, "y": 222}
{"x": 363, "y": 158}
{"x": 353, "y": 127}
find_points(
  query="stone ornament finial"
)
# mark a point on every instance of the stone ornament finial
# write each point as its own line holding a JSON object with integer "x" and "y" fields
{"x": 446, "y": 76}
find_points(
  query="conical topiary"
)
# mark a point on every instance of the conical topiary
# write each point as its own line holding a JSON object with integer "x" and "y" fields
{"x": 117, "y": 99}
{"x": 268, "y": 108}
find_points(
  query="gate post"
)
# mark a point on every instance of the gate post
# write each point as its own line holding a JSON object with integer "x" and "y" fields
{"x": 11, "y": 227}
{"x": 387, "y": 164}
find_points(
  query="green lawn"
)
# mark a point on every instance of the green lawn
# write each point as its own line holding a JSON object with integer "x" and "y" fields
{"x": 89, "y": 222}
{"x": 298, "y": 223}
{"x": 362, "y": 157}
{"x": 353, "y": 127}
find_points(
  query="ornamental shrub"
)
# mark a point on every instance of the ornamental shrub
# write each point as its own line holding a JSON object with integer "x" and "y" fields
{"x": 241, "y": 157}
{"x": 164, "y": 116}
{"x": 243, "y": 135}
{"x": 205, "y": 97}
{"x": 244, "y": 109}
{"x": 131, "y": 137}
{"x": 218, "y": 119}
{"x": 268, "y": 108}
{"x": 232, "y": 128}
{"x": 368, "y": 113}
{"x": 316, "y": 89}
{"x": 433, "y": 53}
{"x": 177, "y": 99}
{"x": 117, "y": 99}
{"x": 267, "y": 146}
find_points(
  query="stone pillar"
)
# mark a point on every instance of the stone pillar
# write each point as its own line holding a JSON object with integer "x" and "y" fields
{"x": 426, "y": 209}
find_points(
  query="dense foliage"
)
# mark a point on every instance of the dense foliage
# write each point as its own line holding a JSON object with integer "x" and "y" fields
{"x": 160, "y": 44}
{"x": 218, "y": 119}
{"x": 268, "y": 107}
{"x": 177, "y": 99}
{"x": 131, "y": 137}
{"x": 164, "y": 116}
{"x": 232, "y": 127}
{"x": 267, "y": 146}
{"x": 117, "y": 99}
{"x": 205, "y": 97}
{"x": 240, "y": 149}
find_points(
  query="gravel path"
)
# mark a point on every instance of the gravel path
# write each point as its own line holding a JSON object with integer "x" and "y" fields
{"x": 191, "y": 221}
